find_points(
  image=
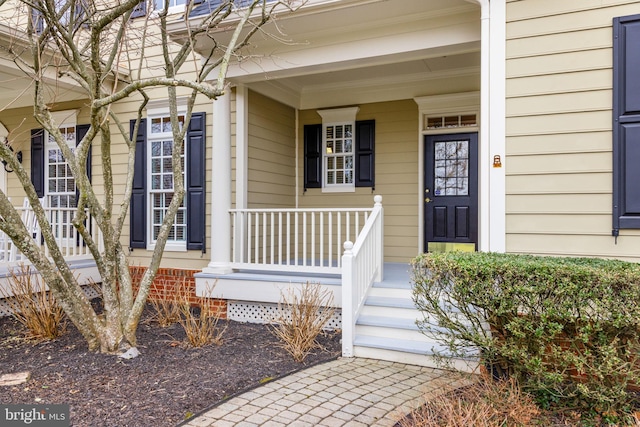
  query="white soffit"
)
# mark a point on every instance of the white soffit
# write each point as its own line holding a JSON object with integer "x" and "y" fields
{"x": 367, "y": 52}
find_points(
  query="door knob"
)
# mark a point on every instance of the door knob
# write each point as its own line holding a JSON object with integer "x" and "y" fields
{"x": 427, "y": 200}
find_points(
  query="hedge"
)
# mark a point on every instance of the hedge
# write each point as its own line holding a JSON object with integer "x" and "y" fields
{"x": 565, "y": 328}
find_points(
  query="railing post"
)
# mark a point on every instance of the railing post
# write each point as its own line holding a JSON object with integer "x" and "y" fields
{"x": 348, "y": 321}
{"x": 377, "y": 204}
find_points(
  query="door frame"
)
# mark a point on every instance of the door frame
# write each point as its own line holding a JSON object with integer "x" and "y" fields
{"x": 443, "y": 105}
{"x": 474, "y": 186}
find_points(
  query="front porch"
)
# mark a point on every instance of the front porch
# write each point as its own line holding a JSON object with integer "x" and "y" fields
{"x": 68, "y": 241}
{"x": 276, "y": 251}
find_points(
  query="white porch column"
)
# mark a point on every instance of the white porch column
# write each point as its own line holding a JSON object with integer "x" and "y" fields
{"x": 221, "y": 187}
{"x": 492, "y": 126}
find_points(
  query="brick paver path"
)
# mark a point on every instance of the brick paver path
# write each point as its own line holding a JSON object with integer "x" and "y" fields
{"x": 351, "y": 392}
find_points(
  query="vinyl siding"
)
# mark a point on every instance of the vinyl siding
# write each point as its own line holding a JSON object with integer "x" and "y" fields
{"x": 396, "y": 178}
{"x": 272, "y": 144}
{"x": 20, "y": 121}
{"x": 559, "y": 129}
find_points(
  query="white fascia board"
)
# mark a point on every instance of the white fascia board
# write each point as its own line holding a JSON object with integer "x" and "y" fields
{"x": 355, "y": 50}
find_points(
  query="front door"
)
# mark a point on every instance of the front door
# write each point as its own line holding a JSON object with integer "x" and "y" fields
{"x": 451, "y": 192}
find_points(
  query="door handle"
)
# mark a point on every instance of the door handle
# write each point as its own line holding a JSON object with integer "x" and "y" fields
{"x": 427, "y": 200}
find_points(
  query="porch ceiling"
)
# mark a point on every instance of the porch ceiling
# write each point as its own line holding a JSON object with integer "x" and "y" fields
{"x": 16, "y": 86}
{"x": 337, "y": 52}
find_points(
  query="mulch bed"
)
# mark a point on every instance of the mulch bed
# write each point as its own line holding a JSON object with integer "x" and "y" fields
{"x": 163, "y": 386}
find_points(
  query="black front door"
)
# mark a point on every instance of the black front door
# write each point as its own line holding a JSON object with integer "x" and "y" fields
{"x": 451, "y": 192}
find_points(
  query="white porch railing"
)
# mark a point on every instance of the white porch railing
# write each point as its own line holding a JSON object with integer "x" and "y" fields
{"x": 302, "y": 240}
{"x": 67, "y": 237}
{"x": 362, "y": 265}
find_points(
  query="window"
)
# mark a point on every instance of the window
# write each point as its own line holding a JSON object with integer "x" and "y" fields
{"x": 50, "y": 172}
{"x": 64, "y": 7}
{"x": 153, "y": 184}
{"x": 339, "y": 154}
{"x": 159, "y": 4}
{"x": 160, "y": 190}
{"x": 626, "y": 123}
{"x": 61, "y": 186}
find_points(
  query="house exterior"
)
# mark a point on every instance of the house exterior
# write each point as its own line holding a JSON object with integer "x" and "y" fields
{"x": 488, "y": 125}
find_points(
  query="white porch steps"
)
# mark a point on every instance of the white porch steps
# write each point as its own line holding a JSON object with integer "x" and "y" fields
{"x": 386, "y": 328}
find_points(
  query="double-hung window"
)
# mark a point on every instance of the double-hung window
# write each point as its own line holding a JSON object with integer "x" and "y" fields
{"x": 153, "y": 185}
{"x": 339, "y": 153}
{"x": 50, "y": 171}
{"x": 60, "y": 183}
{"x": 160, "y": 177}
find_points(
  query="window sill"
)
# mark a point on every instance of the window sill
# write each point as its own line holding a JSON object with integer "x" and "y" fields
{"x": 170, "y": 247}
{"x": 339, "y": 189}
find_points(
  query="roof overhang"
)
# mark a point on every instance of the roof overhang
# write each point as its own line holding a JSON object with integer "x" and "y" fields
{"x": 16, "y": 85}
{"x": 378, "y": 50}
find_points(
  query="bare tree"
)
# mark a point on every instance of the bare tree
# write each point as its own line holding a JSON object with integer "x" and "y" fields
{"x": 96, "y": 45}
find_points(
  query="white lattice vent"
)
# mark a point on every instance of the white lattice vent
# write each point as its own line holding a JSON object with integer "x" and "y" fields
{"x": 260, "y": 312}
{"x": 6, "y": 309}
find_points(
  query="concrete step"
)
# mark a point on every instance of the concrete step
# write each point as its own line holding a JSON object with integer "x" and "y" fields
{"x": 382, "y": 311}
{"x": 387, "y": 322}
{"x": 397, "y": 344}
{"x": 407, "y": 334}
{"x": 393, "y": 284}
{"x": 417, "y": 359}
{"x": 394, "y": 302}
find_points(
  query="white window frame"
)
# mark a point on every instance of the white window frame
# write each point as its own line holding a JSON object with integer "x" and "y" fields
{"x": 61, "y": 219}
{"x": 171, "y": 245}
{"x": 332, "y": 118}
{"x": 173, "y": 8}
{"x": 63, "y": 119}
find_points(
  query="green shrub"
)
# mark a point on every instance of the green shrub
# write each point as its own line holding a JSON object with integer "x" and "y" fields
{"x": 565, "y": 328}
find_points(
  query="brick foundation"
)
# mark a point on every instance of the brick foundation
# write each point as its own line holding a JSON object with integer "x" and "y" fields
{"x": 168, "y": 279}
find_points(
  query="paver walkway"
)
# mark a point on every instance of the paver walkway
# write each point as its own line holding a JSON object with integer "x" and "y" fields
{"x": 351, "y": 392}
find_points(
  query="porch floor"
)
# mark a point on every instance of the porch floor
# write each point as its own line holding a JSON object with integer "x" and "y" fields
{"x": 394, "y": 272}
{"x": 267, "y": 286}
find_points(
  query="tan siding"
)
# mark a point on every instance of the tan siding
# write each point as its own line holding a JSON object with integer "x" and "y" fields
{"x": 569, "y": 82}
{"x": 559, "y": 63}
{"x": 559, "y": 164}
{"x": 594, "y": 100}
{"x": 271, "y": 179}
{"x": 560, "y": 143}
{"x": 396, "y": 175}
{"x": 557, "y": 203}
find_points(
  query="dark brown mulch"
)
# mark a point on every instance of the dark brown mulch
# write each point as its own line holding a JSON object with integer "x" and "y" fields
{"x": 164, "y": 385}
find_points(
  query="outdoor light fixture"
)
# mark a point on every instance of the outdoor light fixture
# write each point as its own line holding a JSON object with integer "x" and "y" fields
{"x": 18, "y": 156}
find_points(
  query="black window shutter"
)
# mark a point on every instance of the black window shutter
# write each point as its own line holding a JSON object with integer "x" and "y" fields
{"x": 138, "y": 205}
{"x": 139, "y": 10}
{"x": 626, "y": 122}
{"x": 196, "y": 194}
{"x": 365, "y": 153}
{"x": 312, "y": 156}
{"x": 37, "y": 160}
{"x": 38, "y": 21}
